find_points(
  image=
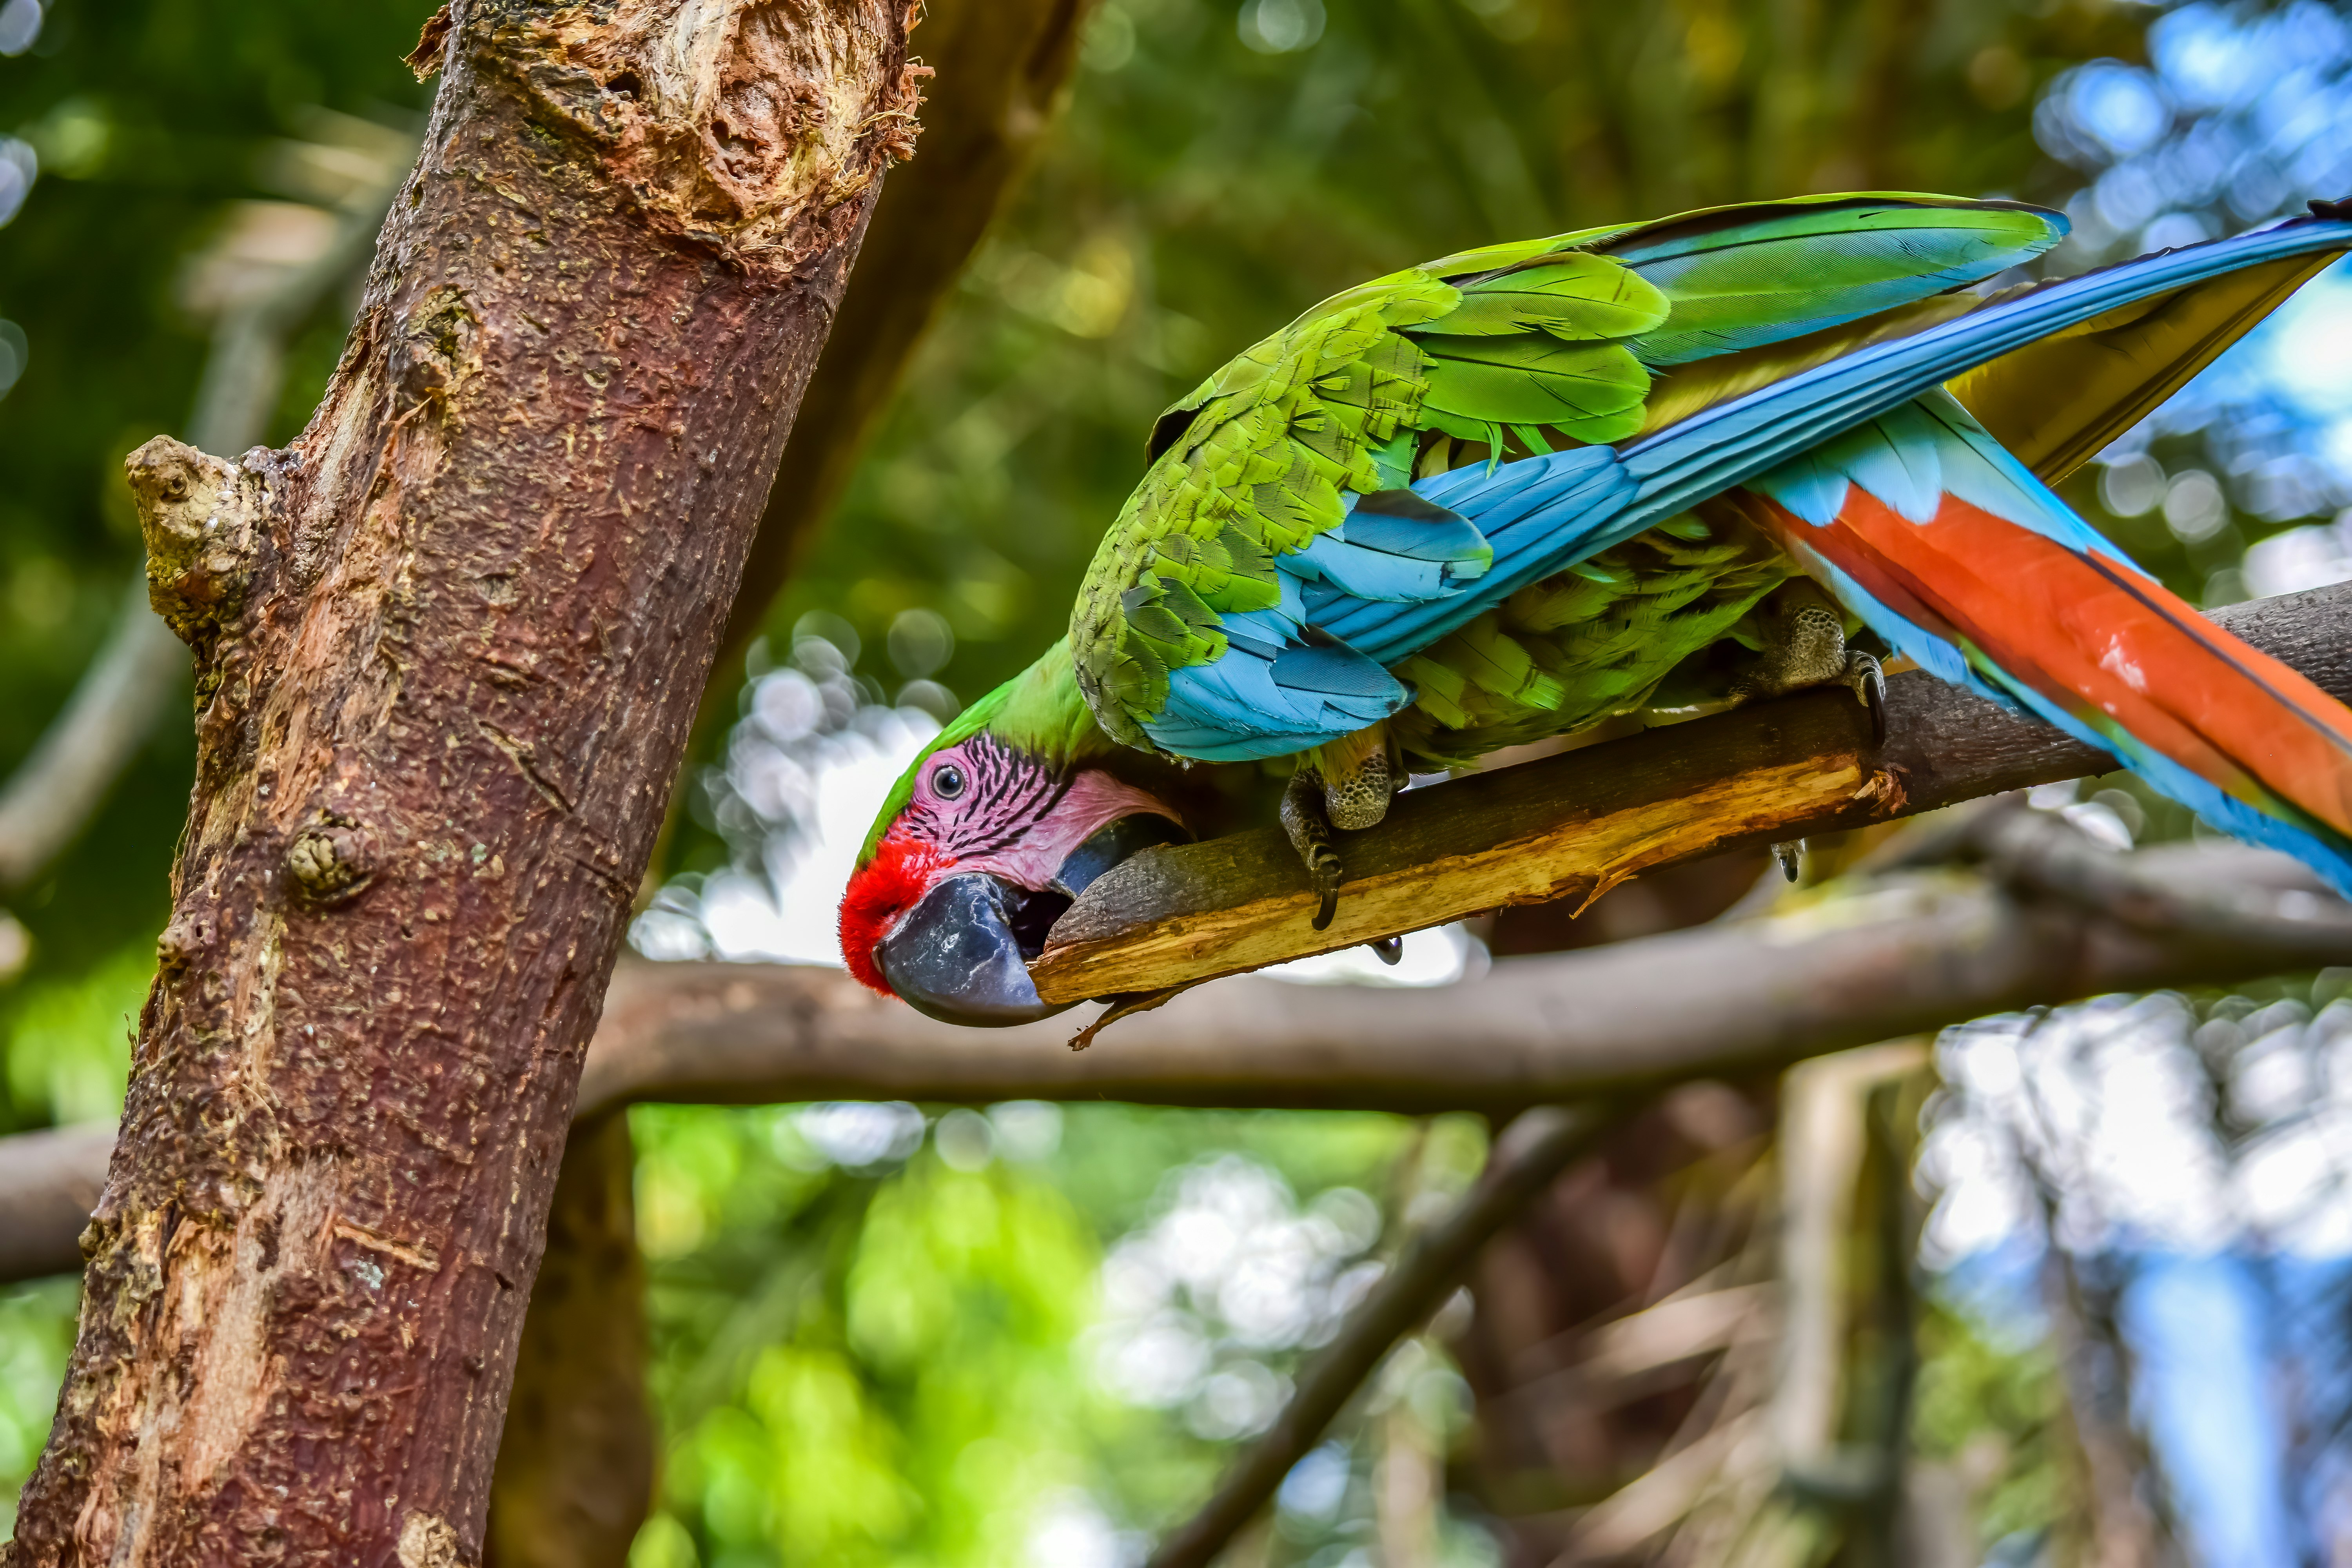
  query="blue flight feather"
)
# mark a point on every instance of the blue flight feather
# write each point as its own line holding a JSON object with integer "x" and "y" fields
{"x": 1394, "y": 548}
{"x": 1543, "y": 514}
{"x": 1279, "y": 687}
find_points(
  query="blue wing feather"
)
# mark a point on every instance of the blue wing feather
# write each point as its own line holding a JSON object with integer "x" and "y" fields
{"x": 1540, "y": 515}
{"x": 1543, "y": 514}
{"x": 1391, "y": 557}
{"x": 1281, "y": 686}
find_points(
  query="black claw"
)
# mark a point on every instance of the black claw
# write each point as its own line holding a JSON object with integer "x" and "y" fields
{"x": 1389, "y": 950}
{"x": 1791, "y": 857}
{"x": 1874, "y": 697}
{"x": 1322, "y": 920}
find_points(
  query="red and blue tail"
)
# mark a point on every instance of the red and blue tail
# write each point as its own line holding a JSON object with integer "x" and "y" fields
{"x": 1923, "y": 525}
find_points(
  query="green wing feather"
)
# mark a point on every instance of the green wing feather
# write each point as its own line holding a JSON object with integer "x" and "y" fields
{"x": 1487, "y": 355}
{"x": 1811, "y": 264}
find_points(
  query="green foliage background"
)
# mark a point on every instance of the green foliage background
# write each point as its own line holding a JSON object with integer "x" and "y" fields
{"x": 882, "y": 1366}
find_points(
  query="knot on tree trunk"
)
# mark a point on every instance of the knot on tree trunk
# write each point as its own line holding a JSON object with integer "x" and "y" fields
{"x": 427, "y": 1541}
{"x": 201, "y": 518}
{"x": 752, "y": 126}
{"x": 331, "y": 862}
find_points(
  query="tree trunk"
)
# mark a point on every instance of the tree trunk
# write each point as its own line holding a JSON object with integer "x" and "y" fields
{"x": 448, "y": 645}
{"x": 576, "y": 1470}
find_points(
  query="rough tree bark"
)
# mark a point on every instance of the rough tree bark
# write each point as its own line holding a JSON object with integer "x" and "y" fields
{"x": 448, "y": 646}
{"x": 1003, "y": 64}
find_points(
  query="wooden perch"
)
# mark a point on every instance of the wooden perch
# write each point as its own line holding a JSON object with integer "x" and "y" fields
{"x": 1580, "y": 823}
{"x": 1903, "y": 957}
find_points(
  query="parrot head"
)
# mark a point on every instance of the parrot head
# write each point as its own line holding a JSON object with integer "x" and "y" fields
{"x": 982, "y": 843}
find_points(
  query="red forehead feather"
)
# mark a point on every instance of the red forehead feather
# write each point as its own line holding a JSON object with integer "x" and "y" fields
{"x": 901, "y": 869}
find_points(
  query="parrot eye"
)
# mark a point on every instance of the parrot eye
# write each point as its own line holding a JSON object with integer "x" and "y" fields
{"x": 947, "y": 783}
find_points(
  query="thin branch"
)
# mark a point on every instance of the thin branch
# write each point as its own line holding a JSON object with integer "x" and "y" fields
{"x": 50, "y": 1182}
{"x": 65, "y": 777}
{"x": 1534, "y": 1149}
{"x": 61, "y": 782}
{"x": 1003, "y": 65}
{"x": 1579, "y": 823}
{"x": 2042, "y": 851}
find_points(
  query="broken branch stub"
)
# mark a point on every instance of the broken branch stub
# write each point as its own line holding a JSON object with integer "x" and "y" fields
{"x": 450, "y": 643}
{"x": 1577, "y": 824}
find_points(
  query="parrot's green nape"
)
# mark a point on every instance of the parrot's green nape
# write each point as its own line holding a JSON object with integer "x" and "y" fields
{"x": 1650, "y": 469}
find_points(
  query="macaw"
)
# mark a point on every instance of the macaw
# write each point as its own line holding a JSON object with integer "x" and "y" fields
{"x": 1514, "y": 492}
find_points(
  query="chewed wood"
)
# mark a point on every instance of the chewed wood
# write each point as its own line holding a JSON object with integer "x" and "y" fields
{"x": 1577, "y": 823}
{"x": 1581, "y": 856}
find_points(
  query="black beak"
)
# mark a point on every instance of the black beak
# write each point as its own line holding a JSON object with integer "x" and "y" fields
{"x": 961, "y": 953}
{"x": 958, "y": 955}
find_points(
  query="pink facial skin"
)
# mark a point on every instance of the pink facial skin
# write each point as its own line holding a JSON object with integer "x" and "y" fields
{"x": 1012, "y": 816}
{"x": 1093, "y": 802}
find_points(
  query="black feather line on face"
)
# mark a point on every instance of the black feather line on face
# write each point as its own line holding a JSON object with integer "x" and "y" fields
{"x": 1007, "y": 793}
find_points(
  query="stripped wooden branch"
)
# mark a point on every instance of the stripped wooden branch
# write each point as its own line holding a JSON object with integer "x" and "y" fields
{"x": 1584, "y": 821}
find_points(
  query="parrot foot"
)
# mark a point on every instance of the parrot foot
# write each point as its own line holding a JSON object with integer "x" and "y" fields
{"x": 1309, "y": 824}
{"x": 1869, "y": 682}
{"x": 1791, "y": 854}
{"x": 1389, "y": 950}
{"x": 1803, "y": 643}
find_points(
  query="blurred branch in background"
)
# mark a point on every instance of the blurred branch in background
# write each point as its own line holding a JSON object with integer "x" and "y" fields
{"x": 2121, "y": 1525}
{"x": 259, "y": 281}
{"x": 1526, "y": 1157}
{"x": 575, "y": 1468}
{"x": 1909, "y": 952}
{"x": 1002, "y": 66}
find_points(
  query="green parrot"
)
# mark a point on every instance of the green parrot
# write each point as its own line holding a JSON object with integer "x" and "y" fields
{"x": 1646, "y": 470}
